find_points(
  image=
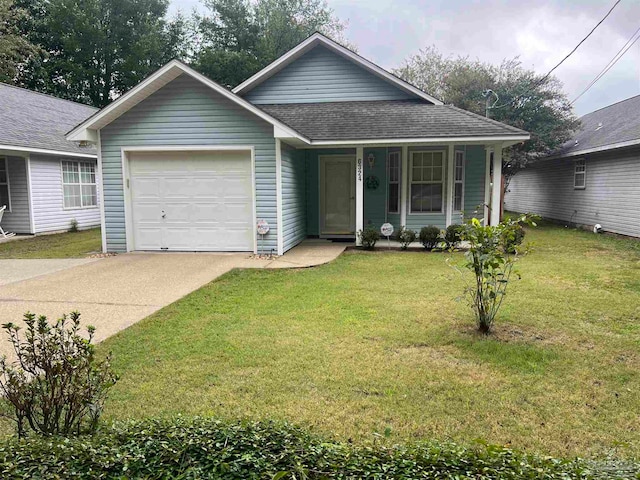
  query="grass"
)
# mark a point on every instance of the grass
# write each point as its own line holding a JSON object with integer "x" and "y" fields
{"x": 375, "y": 345}
{"x": 61, "y": 245}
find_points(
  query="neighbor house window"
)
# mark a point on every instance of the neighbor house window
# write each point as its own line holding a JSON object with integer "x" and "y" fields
{"x": 79, "y": 184}
{"x": 393, "y": 174}
{"x": 4, "y": 184}
{"x": 427, "y": 181}
{"x": 458, "y": 186}
{"x": 580, "y": 174}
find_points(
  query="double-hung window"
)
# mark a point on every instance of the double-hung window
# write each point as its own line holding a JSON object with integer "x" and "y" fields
{"x": 393, "y": 174}
{"x": 580, "y": 174}
{"x": 458, "y": 185}
{"x": 427, "y": 181}
{"x": 79, "y": 184}
{"x": 4, "y": 184}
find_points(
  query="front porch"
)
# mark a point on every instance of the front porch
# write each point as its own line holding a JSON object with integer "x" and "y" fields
{"x": 335, "y": 191}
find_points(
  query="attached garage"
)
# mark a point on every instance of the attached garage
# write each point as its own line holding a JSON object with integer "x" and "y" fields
{"x": 192, "y": 201}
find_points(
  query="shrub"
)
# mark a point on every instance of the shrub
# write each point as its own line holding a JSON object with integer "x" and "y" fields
{"x": 56, "y": 386}
{"x": 512, "y": 237}
{"x": 492, "y": 267}
{"x": 452, "y": 235}
{"x": 369, "y": 237}
{"x": 406, "y": 237}
{"x": 73, "y": 225}
{"x": 209, "y": 448}
{"x": 430, "y": 236}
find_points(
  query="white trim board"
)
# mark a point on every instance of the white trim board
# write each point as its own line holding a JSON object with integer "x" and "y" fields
{"x": 20, "y": 150}
{"x": 603, "y": 148}
{"x": 319, "y": 39}
{"x": 172, "y": 70}
{"x": 124, "y": 156}
{"x": 507, "y": 140}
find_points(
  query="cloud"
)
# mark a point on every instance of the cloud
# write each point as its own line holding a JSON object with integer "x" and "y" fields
{"x": 541, "y": 34}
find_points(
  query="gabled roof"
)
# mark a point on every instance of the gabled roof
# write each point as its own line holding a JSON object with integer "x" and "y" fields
{"x": 319, "y": 39}
{"x": 172, "y": 70}
{"x": 35, "y": 122}
{"x": 390, "y": 120}
{"x": 615, "y": 126}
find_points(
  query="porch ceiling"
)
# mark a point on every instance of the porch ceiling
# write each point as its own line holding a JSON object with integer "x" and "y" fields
{"x": 340, "y": 121}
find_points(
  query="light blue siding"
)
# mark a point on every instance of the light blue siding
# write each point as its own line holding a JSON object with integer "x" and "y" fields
{"x": 17, "y": 220}
{"x": 321, "y": 75}
{"x": 375, "y": 200}
{"x": 294, "y": 200}
{"x": 186, "y": 112}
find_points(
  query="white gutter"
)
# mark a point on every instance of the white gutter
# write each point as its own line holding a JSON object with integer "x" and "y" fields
{"x": 45, "y": 151}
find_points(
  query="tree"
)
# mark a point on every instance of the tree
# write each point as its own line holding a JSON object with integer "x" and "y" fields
{"x": 525, "y": 99}
{"x": 15, "y": 50}
{"x": 94, "y": 50}
{"x": 237, "y": 38}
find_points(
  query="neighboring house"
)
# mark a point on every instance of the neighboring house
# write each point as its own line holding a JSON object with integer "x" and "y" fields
{"x": 592, "y": 179}
{"x": 320, "y": 143}
{"x": 45, "y": 180}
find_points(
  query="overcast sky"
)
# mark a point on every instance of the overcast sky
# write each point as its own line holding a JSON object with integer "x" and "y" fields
{"x": 541, "y": 33}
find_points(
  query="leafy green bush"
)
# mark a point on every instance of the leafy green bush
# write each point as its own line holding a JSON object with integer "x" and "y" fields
{"x": 212, "y": 449}
{"x": 512, "y": 237}
{"x": 430, "y": 236}
{"x": 491, "y": 265}
{"x": 406, "y": 237}
{"x": 452, "y": 235}
{"x": 369, "y": 237}
{"x": 56, "y": 386}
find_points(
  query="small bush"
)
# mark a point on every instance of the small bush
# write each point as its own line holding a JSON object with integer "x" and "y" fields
{"x": 406, "y": 237}
{"x": 73, "y": 225}
{"x": 512, "y": 237}
{"x": 56, "y": 386}
{"x": 430, "y": 236}
{"x": 452, "y": 235}
{"x": 208, "y": 448}
{"x": 369, "y": 237}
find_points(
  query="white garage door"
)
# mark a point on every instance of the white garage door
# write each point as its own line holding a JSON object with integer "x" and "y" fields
{"x": 191, "y": 201}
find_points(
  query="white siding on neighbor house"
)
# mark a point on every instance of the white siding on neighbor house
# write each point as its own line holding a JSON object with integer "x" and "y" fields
{"x": 186, "y": 112}
{"x": 17, "y": 220}
{"x": 49, "y": 214}
{"x": 611, "y": 197}
{"x": 294, "y": 197}
{"x": 321, "y": 75}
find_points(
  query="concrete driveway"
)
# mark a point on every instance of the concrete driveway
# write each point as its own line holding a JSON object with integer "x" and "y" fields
{"x": 115, "y": 292}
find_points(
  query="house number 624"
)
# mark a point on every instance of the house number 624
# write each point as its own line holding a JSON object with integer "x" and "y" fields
{"x": 359, "y": 169}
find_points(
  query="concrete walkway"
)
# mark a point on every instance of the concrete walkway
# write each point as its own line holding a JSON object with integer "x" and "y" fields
{"x": 115, "y": 292}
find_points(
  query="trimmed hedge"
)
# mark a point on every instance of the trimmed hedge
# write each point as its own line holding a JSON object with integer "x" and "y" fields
{"x": 206, "y": 449}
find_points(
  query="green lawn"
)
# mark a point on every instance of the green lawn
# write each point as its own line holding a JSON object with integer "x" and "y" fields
{"x": 376, "y": 342}
{"x": 60, "y": 245}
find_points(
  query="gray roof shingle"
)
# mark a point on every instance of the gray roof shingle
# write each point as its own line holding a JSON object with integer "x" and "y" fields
{"x": 385, "y": 119}
{"x": 610, "y": 125}
{"x": 34, "y": 120}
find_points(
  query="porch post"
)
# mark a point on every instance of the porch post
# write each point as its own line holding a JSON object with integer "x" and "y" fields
{"x": 404, "y": 171}
{"x": 449, "y": 196}
{"x": 279, "y": 226}
{"x": 496, "y": 194}
{"x": 359, "y": 192}
{"x": 487, "y": 184}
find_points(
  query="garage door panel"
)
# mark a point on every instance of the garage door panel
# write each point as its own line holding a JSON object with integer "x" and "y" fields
{"x": 207, "y": 199}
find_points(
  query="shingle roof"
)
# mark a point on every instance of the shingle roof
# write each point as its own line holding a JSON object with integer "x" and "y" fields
{"x": 385, "y": 120}
{"x": 34, "y": 120}
{"x": 610, "y": 125}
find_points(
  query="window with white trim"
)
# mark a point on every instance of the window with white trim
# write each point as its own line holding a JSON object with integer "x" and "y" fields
{"x": 79, "y": 184}
{"x": 580, "y": 174}
{"x": 458, "y": 179}
{"x": 393, "y": 176}
{"x": 5, "y": 196}
{"x": 427, "y": 181}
